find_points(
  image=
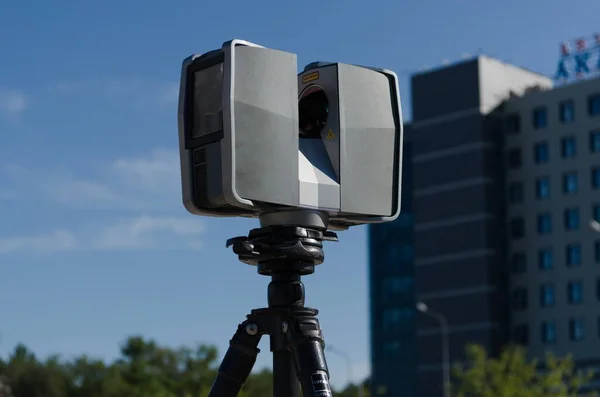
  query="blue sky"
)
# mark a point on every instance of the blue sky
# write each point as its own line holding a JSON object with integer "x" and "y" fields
{"x": 94, "y": 242}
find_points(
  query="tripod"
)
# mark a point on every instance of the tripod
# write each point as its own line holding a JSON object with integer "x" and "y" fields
{"x": 285, "y": 253}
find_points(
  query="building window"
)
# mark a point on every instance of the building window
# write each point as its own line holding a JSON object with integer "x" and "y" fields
{"x": 576, "y": 329}
{"x": 568, "y": 147}
{"x": 391, "y": 347}
{"x": 392, "y": 286}
{"x": 544, "y": 223}
{"x": 519, "y": 299}
{"x": 405, "y": 220}
{"x": 396, "y": 318}
{"x": 512, "y": 123}
{"x": 571, "y": 218}
{"x": 549, "y": 332}
{"x": 594, "y": 105}
{"x": 596, "y": 177}
{"x": 547, "y": 295}
{"x": 517, "y": 228}
{"x": 515, "y": 192}
{"x": 514, "y": 158}
{"x": 519, "y": 263}
{"x": 573, "y": 254}
{"x": 596, "y": 212}
{"x": 540, "y": 117}
{"x": 575, "y": 292}
{"x": 545, "y": 261}
{"x": 595, "y": 141}
{"x": 570, "y": 182}
{"x": 540, "y": 153}
{"x": 521, "y": 334}
{"x": 542, "y": 188}
{"x": 566, "y": 111}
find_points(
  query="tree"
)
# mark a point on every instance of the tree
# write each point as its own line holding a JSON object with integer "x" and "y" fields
{"x": 513, "y": 375}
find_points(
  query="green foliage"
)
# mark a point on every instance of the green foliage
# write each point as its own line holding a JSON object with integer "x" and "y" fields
{"x": 144, "y": 369}
{"x": 513, "y": 375}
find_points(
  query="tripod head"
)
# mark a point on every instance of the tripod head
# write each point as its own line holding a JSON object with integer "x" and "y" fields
{"x": 288, "y": 242}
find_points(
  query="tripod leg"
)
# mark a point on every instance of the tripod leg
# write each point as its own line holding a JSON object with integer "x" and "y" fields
{"x": 285, "y": 383}
{"x": 238, "y": 361}
{"x": 307, "y": 346}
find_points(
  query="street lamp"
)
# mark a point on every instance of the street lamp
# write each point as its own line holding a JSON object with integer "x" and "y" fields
{"x": 348, "y": 361}
{"x": 423, "y": 308}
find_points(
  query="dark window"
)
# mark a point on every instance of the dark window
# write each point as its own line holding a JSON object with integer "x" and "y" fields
{"x": 515, "y": 192}
{"x": 576, "y": 329}
{"x": 542, "y": 188}
{"x": 540, "y": 153}
{"x": 549, "y": 332}
{"x": 573, "y": 254}
{"x": 519, "y": 299}
{"x": 594, "y": 105}
{"x": 395, "y": 285}
{"x": 521, "y": 334}
{"x": 540, "y": 117}
{"x": 570, "y": 182}
{"x": 596, "y": 212}
{"x": 396, "y": 318}
{"x": 544, "y": 223}
{"x": 596, "y": 177}
{"x": 571, "y": 218}
{"x": 547, "y": 295}
{"x": 519, "y": 263}
{"x": 568, "y": 147}
{"x": 514, "y": 158}
{"x": 517, "y": 228}
{"x": 400, "y": 253}
{"x": 575, "y": 292}
{"x": 545, "y": 261}
{"x": 566, "y": 111}
{"x": 513, "y": 124}
{"x": 405, "y": 220}
{"x": 391, "y": 347}
{"x": 595, "y": 141}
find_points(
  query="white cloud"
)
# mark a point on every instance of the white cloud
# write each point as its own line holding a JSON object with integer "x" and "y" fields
{"x": 135, "y": 91}
{"x": 148, "y": 232}
{"x": 144, "y": 186}
{"x": 144, "y": 231}
{"x": 142, "y": 183}
{"x": 59, "y": 240}
{"x": 157, "y": 172}
{"x": 12, "y": 102}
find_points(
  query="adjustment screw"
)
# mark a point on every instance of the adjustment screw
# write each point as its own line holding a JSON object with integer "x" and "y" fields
{"x": 284, "y": 327}
{"x": 251, "y": 329}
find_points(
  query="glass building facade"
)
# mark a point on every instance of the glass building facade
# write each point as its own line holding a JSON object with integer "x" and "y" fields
{"x": 392, "y": 297}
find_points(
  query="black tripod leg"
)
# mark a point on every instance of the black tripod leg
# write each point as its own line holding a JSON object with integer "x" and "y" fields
{"x": 307, "y": 348}
{"x": 285, "y": 382}
{"x": 238, "y": 361}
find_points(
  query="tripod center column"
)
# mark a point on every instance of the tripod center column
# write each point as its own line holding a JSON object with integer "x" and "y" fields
{"x": 286, "y": 290}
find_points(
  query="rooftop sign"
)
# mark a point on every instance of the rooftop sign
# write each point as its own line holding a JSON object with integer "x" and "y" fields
{"x": 579, "y": 59}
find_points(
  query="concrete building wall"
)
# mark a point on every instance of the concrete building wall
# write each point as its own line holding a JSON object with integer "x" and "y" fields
{"x": 460, "y": 252}
{"x": 532, "y": 278}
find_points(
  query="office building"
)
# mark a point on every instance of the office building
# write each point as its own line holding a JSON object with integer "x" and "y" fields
{"x": 501, "y": 178}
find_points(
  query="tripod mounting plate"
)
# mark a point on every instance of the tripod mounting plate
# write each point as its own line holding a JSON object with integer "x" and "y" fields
{"x": 282, "y": 249}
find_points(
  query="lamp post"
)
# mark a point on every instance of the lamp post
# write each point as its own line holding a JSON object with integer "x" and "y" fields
{"x": 423, "y": 308}
{"x": 348, "y": 361}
